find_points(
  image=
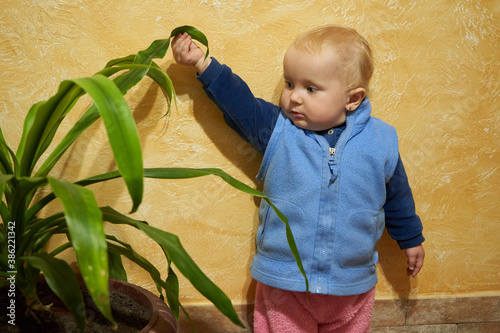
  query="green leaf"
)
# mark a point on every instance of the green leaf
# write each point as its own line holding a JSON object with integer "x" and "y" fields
{"x": 124, "y": 82}
{"x": 180, "y": 173}
{"x": 29, "y": 120}
{"x": 128, "y": 252}
{"x": 4, "y": 211}
{"x": 5, "y": 151}
{"x": 4, "y": 179}
{"x": 62, "y": 281}
{"x": 123, "y": 60}
{"x": 173, "y": 298}
{"x": 42, "y": 122}
{"x": 87, "y": 119}
{"x": 36, "y": 228}
{"x": 122, "y": 132}
{"x": 84, "y": 221}
{"x": 116, "y": 269}
{"x": 161, "y": 285}
{"x": 157, "y": 49}
{"x": 194, "y": 33}
{"x": 190, "y": 173}
{"x": 23, "y": 189}
{"x": 185, "y": 264}
{"x": 154, "y": 72}
{"x": 173, "y": 248}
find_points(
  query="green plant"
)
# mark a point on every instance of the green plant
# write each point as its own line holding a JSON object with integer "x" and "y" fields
{"x": 24, "y": 235}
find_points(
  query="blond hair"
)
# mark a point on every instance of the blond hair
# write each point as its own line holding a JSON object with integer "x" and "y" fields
{"x": 356, "y": 63}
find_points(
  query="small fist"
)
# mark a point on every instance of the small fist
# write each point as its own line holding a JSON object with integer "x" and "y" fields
{"x": 186, "y": 52}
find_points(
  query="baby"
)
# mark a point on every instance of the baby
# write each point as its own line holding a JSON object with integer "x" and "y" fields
{"x": 331, "y": 168}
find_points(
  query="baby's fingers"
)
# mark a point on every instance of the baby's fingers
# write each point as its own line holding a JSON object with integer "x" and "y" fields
{"x": 414, "y": 267}
{"x": 180, "y": 49}
{"x": 415, "y": 260}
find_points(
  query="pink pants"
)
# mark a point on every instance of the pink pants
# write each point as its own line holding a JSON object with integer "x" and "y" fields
{"x": 282, "y": 311}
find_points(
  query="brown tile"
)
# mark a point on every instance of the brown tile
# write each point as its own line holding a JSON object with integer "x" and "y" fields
{"x": 389, "y": 312}
{"x": 479, "y": 328}
{"x": 448, "y": 328}
{"x": 453, "y": 310}
{"x": 206, "y": 318}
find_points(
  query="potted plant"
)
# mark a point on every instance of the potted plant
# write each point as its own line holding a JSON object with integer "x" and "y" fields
{"x": 24, "y": 232}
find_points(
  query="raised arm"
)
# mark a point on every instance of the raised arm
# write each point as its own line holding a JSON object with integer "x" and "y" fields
{"x": 252, "y": 118}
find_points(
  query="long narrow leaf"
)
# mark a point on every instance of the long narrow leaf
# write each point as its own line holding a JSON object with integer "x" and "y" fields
{"x": 42, "y": 122}
{"x": 161, "y": 285}
{"x": 4, "y": 212}
{"x": 84, "y": 221}
{"x": 37, "y": 226}
{"x": 171, "y": 244}
{"x": 124, "y": 82}
{"x": 62, "y": 281}
{"x": 87, "y": 119}
{"x": 32, "y": 211}
{"x": 194, "y": 33}
{"x": 118, "y": 61}
{"x": 24, "y": 188}
{"x": 190, "y": 173}
{"x": 92, "y": 114}
{"x": 29, "y": 120}
{"x": 173, "y": 297}
{"x": 116, "y": 269}
{"x": 157, "y": 49}
{"x": 122, "y": 132}
{"x": 3, "y": 182}
{"x": 180, "y": 173}
{"x": 176, "y": 252}
{"x": 15, "y": 161}
{"x": 154, "y": 72}
{"x": 5, "y": 161}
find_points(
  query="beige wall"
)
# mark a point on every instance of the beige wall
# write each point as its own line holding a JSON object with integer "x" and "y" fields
{"x": 436, "y": 81}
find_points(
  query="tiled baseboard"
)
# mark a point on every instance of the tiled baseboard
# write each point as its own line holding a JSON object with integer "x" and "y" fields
{"x": 457, "y": 315}
{"x": 439, "y": 315}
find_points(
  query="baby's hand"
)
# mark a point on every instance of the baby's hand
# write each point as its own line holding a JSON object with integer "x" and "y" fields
{"x": 415, "y": 260}
{"x": 187, "y": 53}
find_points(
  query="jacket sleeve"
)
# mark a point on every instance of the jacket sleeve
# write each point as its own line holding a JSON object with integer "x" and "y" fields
{"x": 252, "y": 118}
{"x": 402, "y": 223}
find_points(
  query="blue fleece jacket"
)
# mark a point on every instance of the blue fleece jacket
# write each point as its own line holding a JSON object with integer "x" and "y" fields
{"x": 336, "y": 221}
{"x": 334, "y": 203}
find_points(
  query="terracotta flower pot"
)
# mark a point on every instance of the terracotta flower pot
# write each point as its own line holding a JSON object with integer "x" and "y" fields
{"x": 162, "y": 319}
{"x": 135, "y": 302}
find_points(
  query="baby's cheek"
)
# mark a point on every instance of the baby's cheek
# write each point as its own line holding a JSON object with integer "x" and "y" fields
{"x": 283, "y": 100}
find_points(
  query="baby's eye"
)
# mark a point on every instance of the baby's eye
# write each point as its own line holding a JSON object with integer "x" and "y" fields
{"x": 288, "y": 84}
{"x": 312, "y": 89}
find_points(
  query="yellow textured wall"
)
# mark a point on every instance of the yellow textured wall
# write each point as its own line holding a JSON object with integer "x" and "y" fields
{"x": 436, "y": 81}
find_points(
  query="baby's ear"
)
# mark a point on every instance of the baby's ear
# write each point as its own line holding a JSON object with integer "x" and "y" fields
{"x": 354, "y": 98}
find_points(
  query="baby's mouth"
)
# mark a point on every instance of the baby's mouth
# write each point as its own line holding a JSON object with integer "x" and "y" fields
{"x": 296, "y": 114}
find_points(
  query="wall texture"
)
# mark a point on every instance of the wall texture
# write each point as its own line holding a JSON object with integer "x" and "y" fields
{"x": 436, "y": 81}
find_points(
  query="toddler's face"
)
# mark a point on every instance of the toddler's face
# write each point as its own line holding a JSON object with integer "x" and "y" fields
{"x": 313, "y": 98}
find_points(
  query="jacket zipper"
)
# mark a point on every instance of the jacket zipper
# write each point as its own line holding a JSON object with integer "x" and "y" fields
{"x": 332, "y": 154}
{"x": 331, "y": 160}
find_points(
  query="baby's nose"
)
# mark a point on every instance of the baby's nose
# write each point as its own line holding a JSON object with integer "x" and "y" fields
{"x": 295, "y": 97}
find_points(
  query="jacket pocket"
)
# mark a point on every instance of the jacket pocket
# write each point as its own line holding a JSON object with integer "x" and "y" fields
{"x": 271, "y": 234}
{"x": 358, "y": 237}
